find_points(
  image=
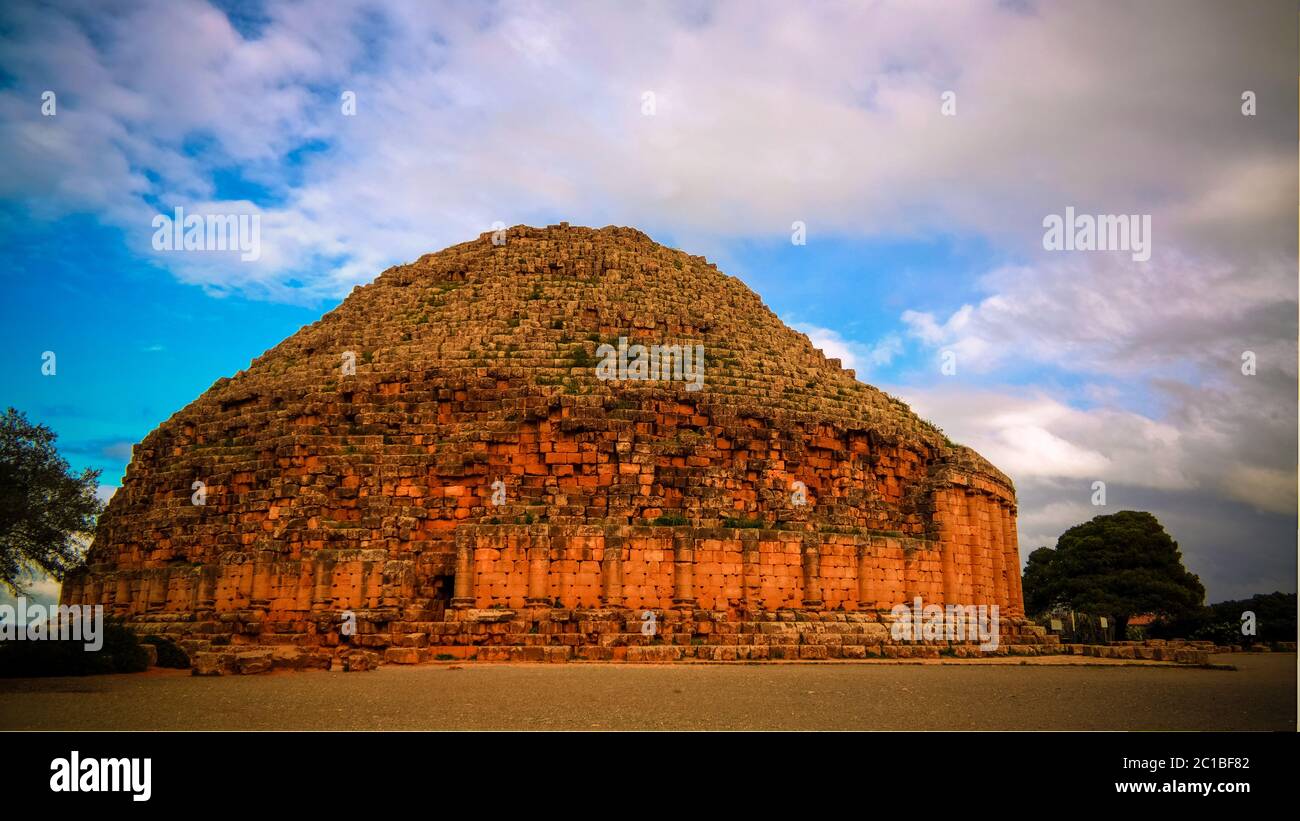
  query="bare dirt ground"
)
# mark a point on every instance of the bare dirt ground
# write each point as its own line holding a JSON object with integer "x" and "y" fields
{"x": 1259, "y": 695}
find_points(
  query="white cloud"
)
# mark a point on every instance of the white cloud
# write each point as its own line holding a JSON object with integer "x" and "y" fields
{"x": 852, "y": 354}
{"x": 1036, "y": 438}
{"x": 1214, "y": 491}
{"x": 1033, "y": 436}
{"x": 1041, "y": 525}
{"x": 1164, "y": 339}
{"x": 531, "y": 112}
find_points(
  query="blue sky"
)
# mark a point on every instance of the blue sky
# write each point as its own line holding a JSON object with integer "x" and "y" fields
{"x": 924, "y": 230}
{"x": 134, "y": 345}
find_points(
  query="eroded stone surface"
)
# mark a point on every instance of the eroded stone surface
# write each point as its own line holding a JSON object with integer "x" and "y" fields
{"x": 332, "y": 496}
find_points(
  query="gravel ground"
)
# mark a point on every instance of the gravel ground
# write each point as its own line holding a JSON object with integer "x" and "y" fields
{"x": 1259, "y": 695}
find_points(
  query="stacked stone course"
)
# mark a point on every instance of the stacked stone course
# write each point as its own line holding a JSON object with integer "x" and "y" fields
{"x": 369, "y": 493}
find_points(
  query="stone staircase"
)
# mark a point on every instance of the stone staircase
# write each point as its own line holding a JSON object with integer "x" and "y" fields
{"x": 611, "y": 635}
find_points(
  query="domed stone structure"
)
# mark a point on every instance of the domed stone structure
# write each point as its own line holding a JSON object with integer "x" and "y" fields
{"x": 527, "y": 448}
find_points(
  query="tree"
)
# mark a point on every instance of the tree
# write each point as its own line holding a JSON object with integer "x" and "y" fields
{"x": 1040, "y": 587}
{"x": 1118, "y": 566}
{"x": 44, "y": 507}
{"x": 1275, "y": 615}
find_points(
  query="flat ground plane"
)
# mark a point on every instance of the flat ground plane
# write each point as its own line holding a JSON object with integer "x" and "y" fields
{"x": 1259, "y": 695}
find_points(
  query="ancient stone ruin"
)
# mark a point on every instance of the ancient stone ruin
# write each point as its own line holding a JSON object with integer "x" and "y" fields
{"x": 436, "y": 469}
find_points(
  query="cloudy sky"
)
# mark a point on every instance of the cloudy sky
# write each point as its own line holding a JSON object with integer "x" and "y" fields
{"x": 714, "y": 128}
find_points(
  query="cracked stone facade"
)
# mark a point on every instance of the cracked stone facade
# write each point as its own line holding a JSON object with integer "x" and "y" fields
{"x": 368, "y": 490}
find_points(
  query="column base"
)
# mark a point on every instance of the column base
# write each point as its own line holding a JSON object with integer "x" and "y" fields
{"x": 461, "y": 602}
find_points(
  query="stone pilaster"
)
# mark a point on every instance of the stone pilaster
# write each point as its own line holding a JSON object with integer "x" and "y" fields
{"x": 322, "y": 596}
{"x": 463, "y": 595}
{"x": 866, "y": 590}
{"x": 156, "y": 597}
{"x": 981, "y": 557}
{"x": 261, "y": 593}
{"x": 751, "y": 580}
{"x": 812, "y": 577}
{"x": 208, "y": 587}
{"x": 1016, "y": 603}
{"x": 612, "y": 594}
{"x": 683, "y": 571}
{"x": 999, "y": 548}
{"x": 946, "y": 507}
{"x": 539, "y": 571}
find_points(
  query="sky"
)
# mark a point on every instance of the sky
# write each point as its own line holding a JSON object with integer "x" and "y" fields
{"x": 921, "y": 145}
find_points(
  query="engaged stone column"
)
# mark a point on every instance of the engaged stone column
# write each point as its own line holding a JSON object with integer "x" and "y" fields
{"x": 963, "y": 550}
{"x": 866, "y": 590}
{"x": 261, "y": 595}
{"x": 948, "y": 563}
{"x": 683, "y": 572}
{"x": 1016, "y": 601}
{"x": 463, "y": 593}
{"x": 244, "y": 581}
{"x": 751, "y": 581}
{"x": 981, "y": 557}
{"x": 207, "y": 587}
{"x": 155, "y": 590}
{"x": 945, "y": 515}
{"x": 812, "y": 582}
{"x": 999, "y": 556}
{"x": 322, "y": 597}
{"x": 613, "y": 571}
{"x": 539, "y": 571}
{"x": 302, "y": 588}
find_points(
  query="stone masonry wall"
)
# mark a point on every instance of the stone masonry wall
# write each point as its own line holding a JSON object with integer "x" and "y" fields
{"x": 740, "y": 571}
{"x": 370, "y": 490}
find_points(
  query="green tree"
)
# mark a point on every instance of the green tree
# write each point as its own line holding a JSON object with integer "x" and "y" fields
{"x": 1119, "y": 566}
{"x": 1275, "y": 615}
{"x": 1040, "y": 586}
{"x": 44, "y": 507}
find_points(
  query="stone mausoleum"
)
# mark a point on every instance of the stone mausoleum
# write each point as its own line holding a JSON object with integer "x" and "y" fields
{"x": 438, "y": 468}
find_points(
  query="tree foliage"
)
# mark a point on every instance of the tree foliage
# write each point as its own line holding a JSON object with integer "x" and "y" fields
{"x": 1221, "y": 623}
{"x": 1039, "y": 586}
{"x": 1118, "y": 565}
{"x": 44, "y": 507}
{"x": 121, "y": 653}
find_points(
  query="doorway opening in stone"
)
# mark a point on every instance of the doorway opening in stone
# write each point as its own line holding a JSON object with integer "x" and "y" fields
{"x": 441, "y": 600}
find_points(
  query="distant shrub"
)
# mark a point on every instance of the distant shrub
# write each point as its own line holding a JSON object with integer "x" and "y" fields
{"x": 120, "y": 653}
{"x": 1221, "y": 623}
